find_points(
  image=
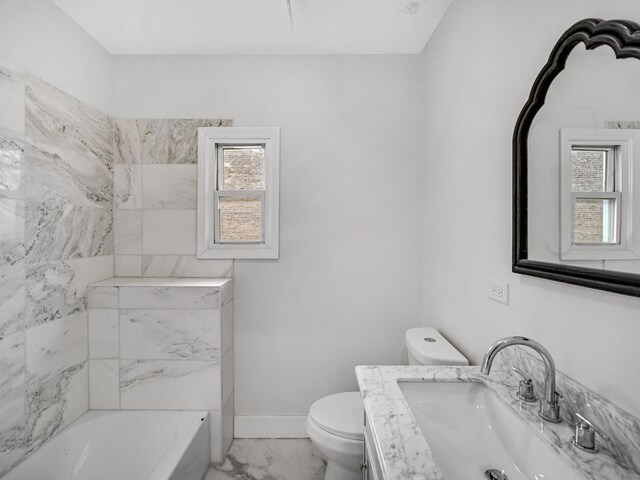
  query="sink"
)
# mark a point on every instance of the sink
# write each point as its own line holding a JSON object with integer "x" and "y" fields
{"x": 470, "y": 430}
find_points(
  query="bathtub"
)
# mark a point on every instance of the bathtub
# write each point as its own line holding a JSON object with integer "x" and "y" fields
{"x": 124, "y": 445}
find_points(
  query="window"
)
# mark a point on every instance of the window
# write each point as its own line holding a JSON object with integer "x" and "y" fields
{"x": 596, "y": 194}
{"x": 238, "y": 171}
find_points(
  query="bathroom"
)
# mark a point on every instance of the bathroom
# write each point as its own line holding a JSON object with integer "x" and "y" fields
{"x": 395, "y": 211}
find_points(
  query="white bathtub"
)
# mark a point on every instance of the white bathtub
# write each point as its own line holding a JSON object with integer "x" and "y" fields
{"x": 123, "y": 445}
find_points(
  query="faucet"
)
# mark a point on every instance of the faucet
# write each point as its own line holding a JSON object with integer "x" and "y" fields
{"x": 549, "y": 406}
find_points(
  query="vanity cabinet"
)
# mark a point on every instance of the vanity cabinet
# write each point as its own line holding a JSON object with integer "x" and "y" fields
{"x": 371, "y": 469}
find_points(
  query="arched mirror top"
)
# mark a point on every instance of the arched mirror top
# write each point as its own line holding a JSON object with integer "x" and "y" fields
{"x": 623, "y": 39}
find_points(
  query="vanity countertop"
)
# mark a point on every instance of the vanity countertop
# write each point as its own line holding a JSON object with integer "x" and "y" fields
{"x": 405, "y": 454}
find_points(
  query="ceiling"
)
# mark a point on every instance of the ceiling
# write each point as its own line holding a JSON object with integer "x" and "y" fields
{"x": 258, "y": 26}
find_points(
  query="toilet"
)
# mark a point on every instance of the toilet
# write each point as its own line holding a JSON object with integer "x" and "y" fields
{"x": 335, "y": 423}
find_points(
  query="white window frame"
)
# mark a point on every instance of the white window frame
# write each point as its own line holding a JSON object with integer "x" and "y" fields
{"x": 210, "y": 141}
{"x": 626, "y": 146}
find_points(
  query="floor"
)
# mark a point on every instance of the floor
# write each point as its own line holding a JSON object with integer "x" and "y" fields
{"x": 270, "y": 459}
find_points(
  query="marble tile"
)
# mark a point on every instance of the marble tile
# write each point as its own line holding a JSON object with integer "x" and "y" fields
{"x": 170, "y": 334}
{"x": 169, "y": 187}
{"x": 102, "y": 297}
{"x": 103, "y": 333}
{"x": 128, "y": 265}
{"x": 215, "y": 436}
{"x": 128, "y": 145}
{"x": 54, "y": 176}
{"x": 169, "y": 297}
{"x": 104, "y": 384}
{"x": 12, "y": 366}
{"x": 11, "y": 162}
{"x": 272, "y": 459}
{"x": 169, "y": 232}
{"x": 169, "y": 384}
{"x": 58, "y": 289}
{"x": 12, "y": 433}
{"x": 227, "y": 376}
{"x": 172, "y": 141}
{"x": 226, "y": 327}
{"x": 185, "y": 266}
{"x": 406, "y": 454}
{"x": 56, "y": 119}
{"x": 226, "y": 293}
{"x": 12, "y": 99}
{"x": 128, "y": 231}
{"x": 127, "y": 186}
{"x": 64, "y": 231}
{"x": 12, "y": 299}
{"x": 227, "y": 425}
{"x": 12, "y": 233}
{"x": 54, "y": 402}
{"x": 53, "y": 346}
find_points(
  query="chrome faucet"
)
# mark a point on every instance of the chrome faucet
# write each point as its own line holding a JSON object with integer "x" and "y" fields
{"x": 549, "y": 406}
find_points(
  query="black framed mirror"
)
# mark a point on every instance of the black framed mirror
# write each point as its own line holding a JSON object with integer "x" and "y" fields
{"x": 576, "y": 162}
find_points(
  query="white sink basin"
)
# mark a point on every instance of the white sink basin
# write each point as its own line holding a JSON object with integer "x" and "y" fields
{"x": 470, "y": 430}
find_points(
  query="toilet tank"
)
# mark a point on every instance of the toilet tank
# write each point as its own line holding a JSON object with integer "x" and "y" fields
{"x": 426, "y": 346}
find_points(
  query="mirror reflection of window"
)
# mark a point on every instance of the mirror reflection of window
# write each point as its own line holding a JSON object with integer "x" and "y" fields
{"x": 595, "y": 200}
{"x": 596, "y": 194}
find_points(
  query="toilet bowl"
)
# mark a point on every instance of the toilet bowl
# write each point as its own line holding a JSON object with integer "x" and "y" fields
{"x": 335, "y": 423}
{"x": 335, "y": 426}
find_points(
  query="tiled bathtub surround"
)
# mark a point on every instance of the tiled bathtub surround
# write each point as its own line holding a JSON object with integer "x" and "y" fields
{"x": 164, "y": 344}
{"x": 406, "y": 454}
{"x": 56, "y": 237}
{"x": 155, "y": 199}
{"x": 622, "y": 428}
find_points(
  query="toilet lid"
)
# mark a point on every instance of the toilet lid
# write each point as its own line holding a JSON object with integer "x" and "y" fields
{"x": 341, "y": 414}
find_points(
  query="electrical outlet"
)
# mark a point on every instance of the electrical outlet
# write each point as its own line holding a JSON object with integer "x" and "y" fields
{"x": 499, "y": 291}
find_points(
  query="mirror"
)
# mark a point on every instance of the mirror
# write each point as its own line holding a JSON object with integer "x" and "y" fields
{"x": 576, "y": 148}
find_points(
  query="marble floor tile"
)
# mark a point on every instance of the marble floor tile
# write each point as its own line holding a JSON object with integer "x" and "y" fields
{"x": 270, "y": 459}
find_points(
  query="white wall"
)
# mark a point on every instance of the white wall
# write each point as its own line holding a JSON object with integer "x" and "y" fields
{"x": 347, "y": 283}
{"x": 478, "y": 69}
{"x": 36, "y": 36}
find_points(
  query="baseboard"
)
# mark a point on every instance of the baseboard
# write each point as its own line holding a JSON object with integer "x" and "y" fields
{"x": 284, "y": 426}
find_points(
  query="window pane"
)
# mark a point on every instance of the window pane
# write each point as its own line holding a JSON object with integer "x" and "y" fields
{"x": 592, "y": 170}
{"x": 242, "y": 168}
{"x": 594, "y": 221}
{"x": 240, "y": 219}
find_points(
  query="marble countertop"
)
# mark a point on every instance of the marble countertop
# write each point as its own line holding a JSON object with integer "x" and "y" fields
{"x": 405, "y": 454}
{"x": 162, "y": 282}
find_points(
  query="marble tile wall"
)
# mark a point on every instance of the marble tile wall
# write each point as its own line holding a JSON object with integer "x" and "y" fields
{"x": 155, "y": 180}
{"x": 56, "y": 237}
{"x": 164, "y": 344}
{"x": 622, "y": 428}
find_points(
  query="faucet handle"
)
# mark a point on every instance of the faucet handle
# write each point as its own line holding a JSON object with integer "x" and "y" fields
{"x": 525, "y": 390}
{"x": 585, "y": 437}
